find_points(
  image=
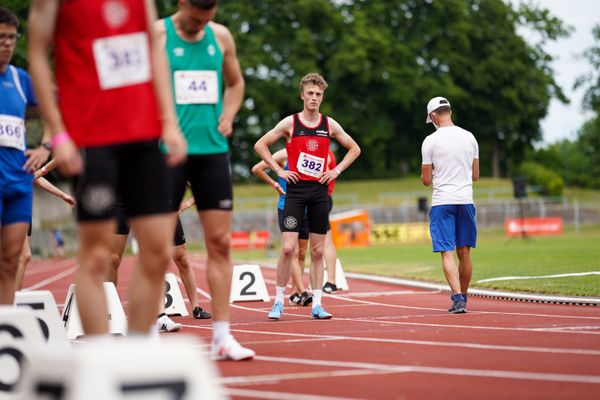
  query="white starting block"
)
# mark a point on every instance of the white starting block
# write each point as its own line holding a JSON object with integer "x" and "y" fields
{"x": 43, "y": 306}
{"x": 340, "y": 277}
{"x": 124, "y": 369}
{"x": 248, "y": 284}
{"x": 20, "y": 339}
{"x": 117, "y": 322}
{"x": 174, "y": 304}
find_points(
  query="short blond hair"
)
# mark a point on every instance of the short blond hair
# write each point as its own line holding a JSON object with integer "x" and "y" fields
{"x": 313, "y": 79}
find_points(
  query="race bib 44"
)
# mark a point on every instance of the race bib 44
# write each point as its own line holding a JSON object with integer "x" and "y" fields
{"x": 196, "y": 87}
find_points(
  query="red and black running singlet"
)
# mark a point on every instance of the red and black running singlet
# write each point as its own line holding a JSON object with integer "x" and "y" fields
{"x": 104, "y": 73}
{"x": 308, "y": 148}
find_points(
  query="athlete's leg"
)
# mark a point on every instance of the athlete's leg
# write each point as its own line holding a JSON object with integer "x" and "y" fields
{"x": 330, "y": 257}
{"x": 117, "y": 248}
{"x": 95, "y": 240}
{"x": 297, "y": 284}
{"x": 217, "y": 227}
{"x": 450, "y": 271}
{"x": 465, "y": 268}
{"x": 317, "y": 246}
{"x": 180, "y": 257}
{"x": 12, "y": 237}
{"x": 24, "y": 259}
{"x": 154, "y": 235}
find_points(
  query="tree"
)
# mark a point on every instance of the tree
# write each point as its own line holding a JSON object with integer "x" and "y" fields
{"x": 591, "y": 99}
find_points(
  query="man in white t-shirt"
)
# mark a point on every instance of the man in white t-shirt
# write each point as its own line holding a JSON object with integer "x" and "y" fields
{"x": 451, "y": 163}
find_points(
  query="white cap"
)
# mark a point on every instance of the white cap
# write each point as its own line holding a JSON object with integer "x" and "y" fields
{"x": 434, "y": 104}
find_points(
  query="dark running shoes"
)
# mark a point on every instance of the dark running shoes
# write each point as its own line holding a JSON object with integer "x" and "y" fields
{"x": 305, "y": 299}
{"x": 459, "y": 304}
{"x": 330, "y": 288}
{"x": 295, "y": 299}
{"x": 199, "y": 313}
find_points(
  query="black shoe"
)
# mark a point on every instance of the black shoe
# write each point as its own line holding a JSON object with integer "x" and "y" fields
{"x": 199, "y": 313}
{"x": 295, "y": 299}
{"x": 329, "y": 287}
{"x": 305, "y": 299}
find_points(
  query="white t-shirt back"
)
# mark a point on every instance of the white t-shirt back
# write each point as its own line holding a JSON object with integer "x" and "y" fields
{"x": 451, "y": 150}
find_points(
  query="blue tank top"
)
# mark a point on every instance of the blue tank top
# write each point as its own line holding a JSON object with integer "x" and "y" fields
{"x": 16, "y": 93}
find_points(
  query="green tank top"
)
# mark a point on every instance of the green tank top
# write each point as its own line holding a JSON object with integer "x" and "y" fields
{"x": 197, "y": 79}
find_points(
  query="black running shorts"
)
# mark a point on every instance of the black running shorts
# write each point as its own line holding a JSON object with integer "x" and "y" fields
{"x": 134, "y": 172}
{"x": 123, "y": 226}
{"x": 210, "y": 178}
{"x": 303, "y": 234}
{"x": 310, "y": 196}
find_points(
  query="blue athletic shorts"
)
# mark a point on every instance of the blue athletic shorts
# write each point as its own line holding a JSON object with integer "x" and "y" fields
{"x": 452, "y": 226}
{"x": 15, "y": 204}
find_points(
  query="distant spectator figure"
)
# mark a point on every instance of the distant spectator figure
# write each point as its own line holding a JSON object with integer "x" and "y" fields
{"x": 58, "y": 249}
{"x": 451, "y": 163}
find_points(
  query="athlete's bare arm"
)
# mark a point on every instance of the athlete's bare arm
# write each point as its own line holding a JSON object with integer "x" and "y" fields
{"x": 50, "y": 188}
{"x": 259, "y": 169}
{"x": 232, "y": 75}
{"x": 338, "y": 133}
{"x": 475, "y": 169}
{"x": 41, "y": 26}
{"x": 426, "y": 174}
{"x": 171, "y": 136}
{"x": 282, "y": 130}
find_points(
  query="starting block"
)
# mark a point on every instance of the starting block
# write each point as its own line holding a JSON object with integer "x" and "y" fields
{"x": 20, "y": 339}
{"x": 248, "y": 284}
{"x": 117, "y": 322}
{"x": 174, "y": 304}
{"x": 123, "y": 369}
{"x": 43, "y": 306}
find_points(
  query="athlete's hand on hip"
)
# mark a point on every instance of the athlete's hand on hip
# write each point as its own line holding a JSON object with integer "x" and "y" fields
{"x": 68, "y": 159}
{"x": 225, "y": 126}
{"x": 328, "y": 176}
{"x": 176, "y": 147}
{"x": 289, "y": 176}
{"x": 35, "y": 158}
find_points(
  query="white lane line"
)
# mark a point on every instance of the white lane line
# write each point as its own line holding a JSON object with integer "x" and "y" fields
{"x": 276, "y": 378}
{"x": 475, "y": 346}
{"x": 53, "y": 278}
{"x": 390, "y": 293}
{"x": 270, "y": 395}
{"x": 482, "y": 373}
{"x": 517, "y": 278}
{"x": 594, "y": 328}
{"x": 470, "y": 312}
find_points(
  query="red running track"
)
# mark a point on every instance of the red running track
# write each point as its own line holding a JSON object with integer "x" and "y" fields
{"x": 392, "y": 342}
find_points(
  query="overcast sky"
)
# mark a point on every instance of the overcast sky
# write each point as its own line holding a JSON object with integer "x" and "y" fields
{"x": 563, "y": 121}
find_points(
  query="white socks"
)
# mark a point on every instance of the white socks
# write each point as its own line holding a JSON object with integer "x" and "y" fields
{"x": 316, "y": 298}
{"x": 220, "y": 330}
{"x": 279, "y": 294}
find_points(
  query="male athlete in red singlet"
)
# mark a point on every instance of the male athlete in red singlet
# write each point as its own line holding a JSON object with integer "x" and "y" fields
{"x": 307, "y": 137}
{"x": 115, "y": 104}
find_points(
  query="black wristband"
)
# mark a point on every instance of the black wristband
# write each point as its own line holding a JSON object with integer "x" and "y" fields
{"x": 47, "y": 146}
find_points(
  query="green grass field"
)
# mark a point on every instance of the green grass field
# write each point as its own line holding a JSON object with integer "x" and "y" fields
{"x": 495, "y": 256}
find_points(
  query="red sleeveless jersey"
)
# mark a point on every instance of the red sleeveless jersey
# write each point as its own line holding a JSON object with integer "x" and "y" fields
{"x": 308, "y": 148}
{"x": 103, "y": 72}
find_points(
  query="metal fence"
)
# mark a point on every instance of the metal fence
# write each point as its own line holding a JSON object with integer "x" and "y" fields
{"x": 259, "y": 213}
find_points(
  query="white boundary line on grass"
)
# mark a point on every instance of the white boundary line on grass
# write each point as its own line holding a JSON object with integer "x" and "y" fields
{"x": 595, "y": 301}
{"x": 517, "y": 278}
